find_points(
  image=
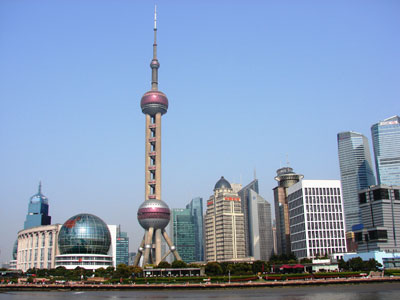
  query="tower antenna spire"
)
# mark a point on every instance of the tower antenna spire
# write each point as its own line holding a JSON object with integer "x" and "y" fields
{"x": 154, "y": 63}
{"x": 40, "y": 187}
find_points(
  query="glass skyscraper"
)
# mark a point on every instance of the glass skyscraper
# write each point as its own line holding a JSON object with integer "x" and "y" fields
{"x": 386, "y": 143}
{"x": 196, "y": 211}
{"x": 122, "y": 247}
{"x": 355, "y": 171}
{"x": 183, "y": 236}
{"x": 38, "y": 210}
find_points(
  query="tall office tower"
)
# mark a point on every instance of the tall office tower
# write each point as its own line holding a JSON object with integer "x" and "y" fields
{"x": 257, "y": 222}
{"x": 196, "y": 211}
{"x": 182, "y": 234}
{"x": 286, "y": 178}
{"x": 380, "y": 212}
{"x": 38, "y": 210}
{"x": 154, "y": 214}
{"x": 316, "y": 218}
{"x": 122, "y": 245}
{"x": 386, "y": 143}
{"x": 355, "y": 171}
{"x": 224, "y": 225}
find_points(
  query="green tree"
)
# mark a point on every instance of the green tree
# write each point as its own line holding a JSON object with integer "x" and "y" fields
{"x": 213, "y": 268}
{"x": 164, "y": 264}
{"x": 178, "y": 264}
{"x": 122, "y": 271}
{"x": 259, "y": 266}
{"x": 100, "y": 272}
{"x": 356, "y": 264}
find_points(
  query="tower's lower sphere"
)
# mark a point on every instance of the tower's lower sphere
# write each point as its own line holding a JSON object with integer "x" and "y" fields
{"x": 153, "y": 213}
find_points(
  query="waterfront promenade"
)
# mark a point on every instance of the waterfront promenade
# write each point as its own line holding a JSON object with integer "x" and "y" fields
{"x": 250, "y": 284}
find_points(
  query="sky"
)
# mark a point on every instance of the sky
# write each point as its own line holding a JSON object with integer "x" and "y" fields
{"x": 252, "y": 86}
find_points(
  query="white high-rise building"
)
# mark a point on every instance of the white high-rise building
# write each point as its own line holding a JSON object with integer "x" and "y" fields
{"x": 316, "y": 217}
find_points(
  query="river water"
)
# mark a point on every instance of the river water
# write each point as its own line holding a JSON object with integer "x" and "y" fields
{"x": 371, "y": 291}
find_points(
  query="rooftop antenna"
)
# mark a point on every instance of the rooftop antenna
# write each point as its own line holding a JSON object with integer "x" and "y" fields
{"x": 40, "y": 187}
{"x": 255, "y": 174}
{"x": 287, "y": 160}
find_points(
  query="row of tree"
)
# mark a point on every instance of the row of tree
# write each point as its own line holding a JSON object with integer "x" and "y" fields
{"x": 211, "y": 268}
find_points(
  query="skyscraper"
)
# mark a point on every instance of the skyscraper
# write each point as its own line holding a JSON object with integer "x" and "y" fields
{"x": 196, "y": 211}
{"x": 355, "y": 171}
{"x": 316, "y": 218}
{"x": 38, "y": 210}
{"x": 286, "y": 178}
{"x": 224, "y": 225}
{"x": 380, "y": 212}
{"x": 153, "y": 214}
{"x": 257, "y": 222}
{"x": 122, "y": 245}
{"x": 183, "y": 235}
{"x": 386, "y": 143}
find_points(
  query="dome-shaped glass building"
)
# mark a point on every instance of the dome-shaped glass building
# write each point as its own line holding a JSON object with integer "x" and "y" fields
{"x": 86, "y": 234}
{"x": 85, "y": 241}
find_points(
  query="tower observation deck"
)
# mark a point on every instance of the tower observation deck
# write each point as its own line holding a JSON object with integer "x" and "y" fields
{"x": 153, "y": 214}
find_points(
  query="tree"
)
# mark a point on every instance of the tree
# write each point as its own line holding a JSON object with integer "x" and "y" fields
{"x": 259, "y": 266}
{"x": 164, "y": 264}
{"x": 122, "y": 271}
{"x": 178, "y": 264}
{"x": 100, "y": 272}
{"x": 355, "y": 264}
{"x": 213, "y": 268}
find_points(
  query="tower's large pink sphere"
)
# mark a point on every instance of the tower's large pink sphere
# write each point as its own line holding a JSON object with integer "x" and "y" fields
{"x": 153, "y": 213}
{"x": 154, "y": 102}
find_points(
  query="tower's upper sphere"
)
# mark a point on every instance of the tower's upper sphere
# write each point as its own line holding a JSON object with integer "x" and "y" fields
{"x": 222, "y": 184}
{"x": 84, "y": 234}
{"x": 154, "y": 102}
{"x": 153, "y": 213}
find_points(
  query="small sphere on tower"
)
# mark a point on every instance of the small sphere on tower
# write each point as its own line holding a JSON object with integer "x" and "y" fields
{"x": 153, "y": 213}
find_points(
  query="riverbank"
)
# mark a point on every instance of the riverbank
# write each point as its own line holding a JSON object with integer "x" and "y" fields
{"x": 250, "y": 284}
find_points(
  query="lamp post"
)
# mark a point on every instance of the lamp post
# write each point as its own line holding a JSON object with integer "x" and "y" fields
{"x": 229, "y": 276}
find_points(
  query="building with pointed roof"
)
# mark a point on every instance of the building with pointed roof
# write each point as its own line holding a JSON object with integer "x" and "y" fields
{"x": 38, "y": 210}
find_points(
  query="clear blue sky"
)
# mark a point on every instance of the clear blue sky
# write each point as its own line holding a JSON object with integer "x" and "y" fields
{"x": 249, "y": 82}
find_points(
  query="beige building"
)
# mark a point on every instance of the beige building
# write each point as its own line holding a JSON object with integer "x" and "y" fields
{"x": 37, "y": 247}
{"x": 224, "y": 225}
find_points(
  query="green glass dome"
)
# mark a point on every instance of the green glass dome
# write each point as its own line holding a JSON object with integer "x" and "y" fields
{"x": 84, "y": 234}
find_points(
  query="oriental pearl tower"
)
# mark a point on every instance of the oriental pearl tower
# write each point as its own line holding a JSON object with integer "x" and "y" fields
{"x": 154, "y": 214}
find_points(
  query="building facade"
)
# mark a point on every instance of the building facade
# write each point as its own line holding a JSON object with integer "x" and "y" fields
{"x": 355, "y": 171}
{"x": 122, "y": 248}
{"x": 286, "y": 178}
{"x": 224, "y": 225}
{"x": 37, "y": 247}
{"x": 380, "y": 212}
{"x": 316, "y": 217}
{"x": 257, "y": 222}
{"x": 386, "y": 144}
{"x": 38, "y": 210}
{"x": 183, "y": 233}
{"x": 196, "y": 211}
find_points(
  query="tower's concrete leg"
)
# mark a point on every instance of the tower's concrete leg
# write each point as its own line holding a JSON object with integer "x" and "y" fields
{"x": 148, "y": 245}
{"x": 139, "y": 254}
{"x": 170, "y": 245}
{"x": 158, "y": 246}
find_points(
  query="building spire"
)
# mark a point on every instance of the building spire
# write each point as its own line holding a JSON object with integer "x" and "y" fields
{"x": 154, "y": 63}
{"x": 40, "y": 187}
